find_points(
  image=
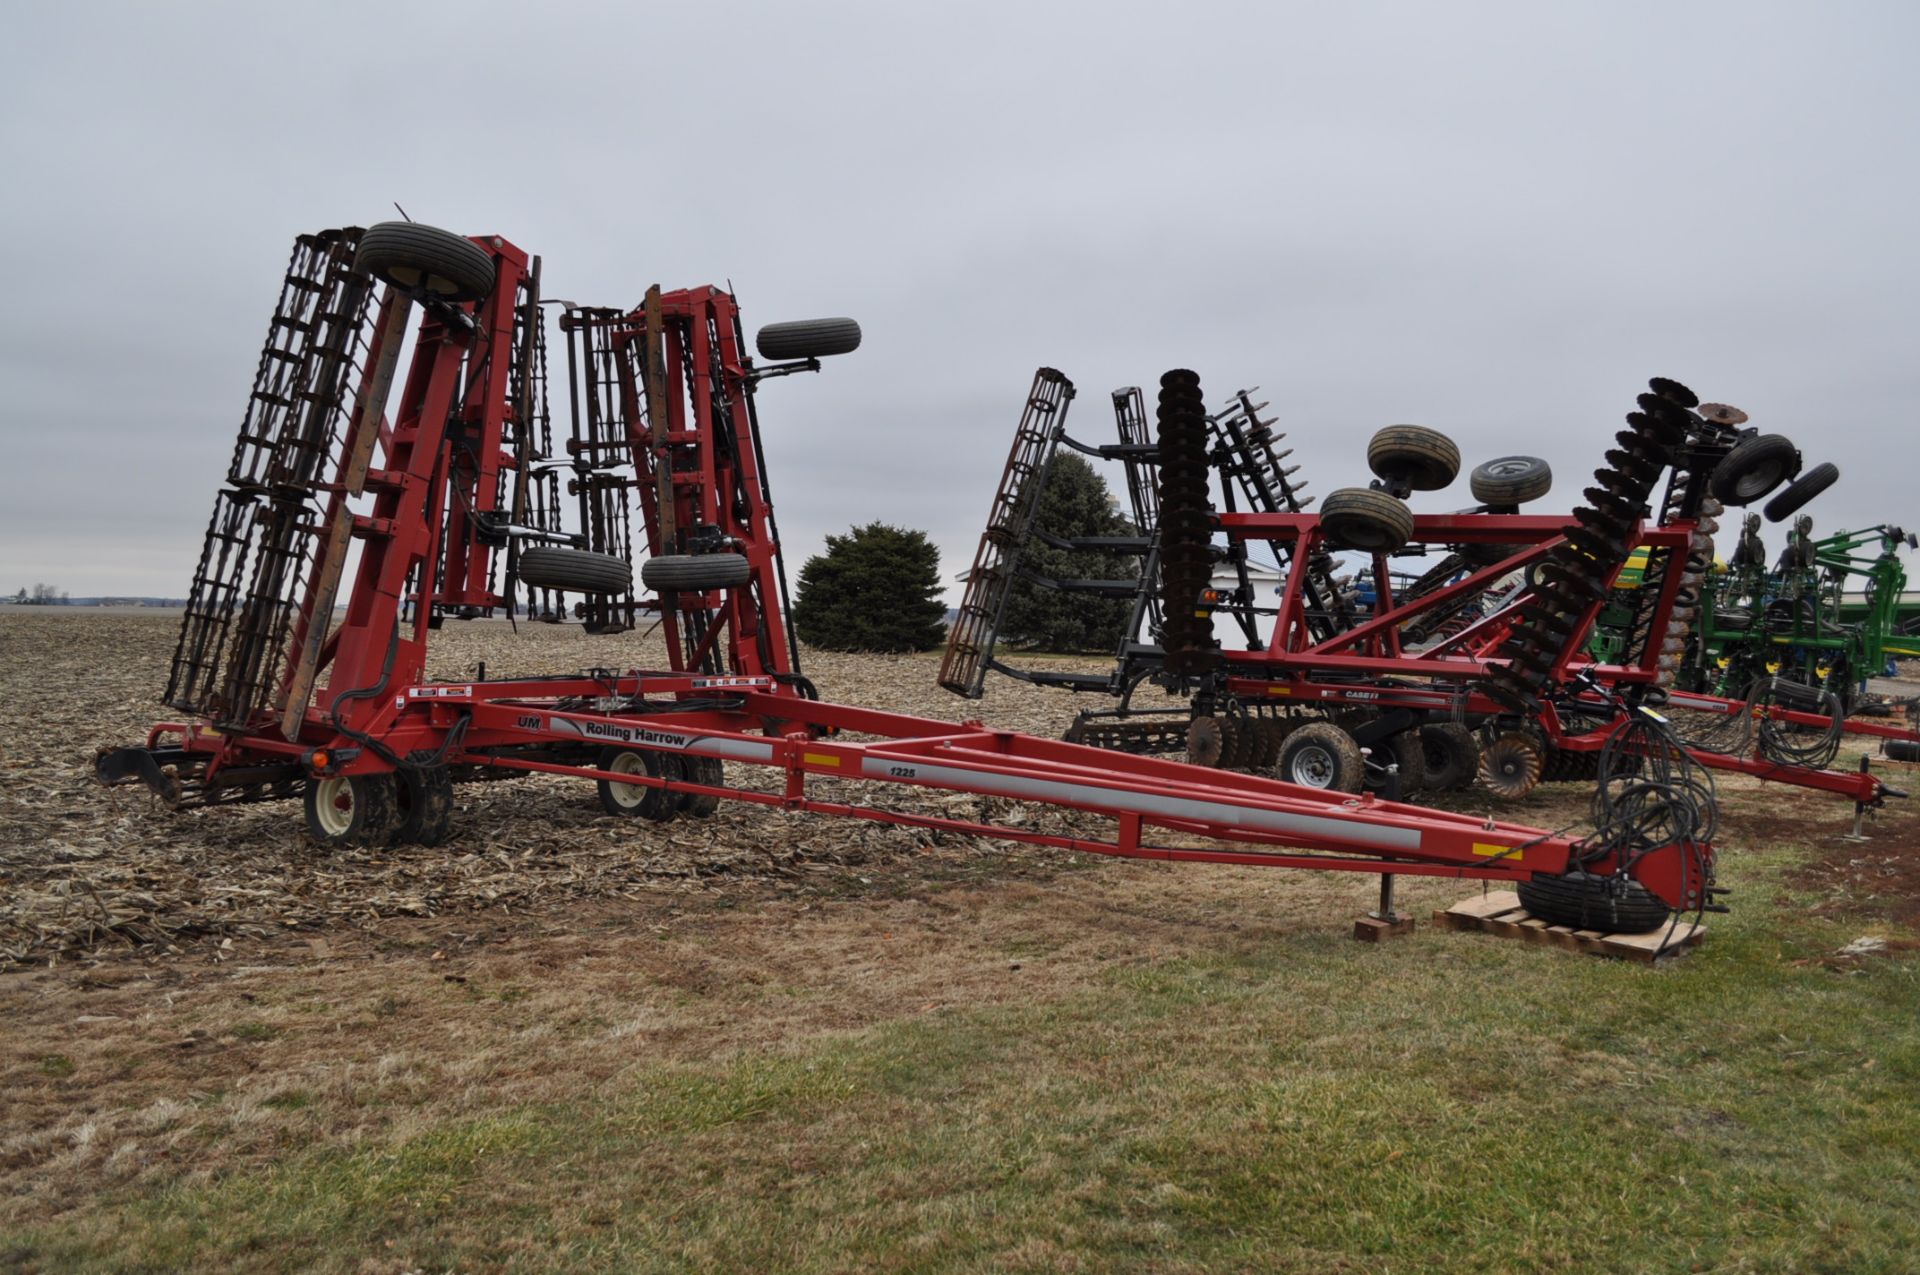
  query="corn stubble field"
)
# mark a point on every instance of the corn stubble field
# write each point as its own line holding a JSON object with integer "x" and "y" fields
{"x": 766, "y": 1041}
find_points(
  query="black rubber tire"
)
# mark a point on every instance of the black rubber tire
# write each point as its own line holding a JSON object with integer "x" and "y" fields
{"x": 695, "y": 572}
{"x": 364, "y": 811}
{"x": 807, "y": 339}
{"x": 1409, "y": 759}
{"x": 1322, "y": 756}
{"x": 1425, "y": 459}
{"x": 656, "y": 804}
{"x": 1365, "y": 519}
{"x": 673, "y": 768}
{"x": 425, "y": 259}
{"x": 1452, "y": 756}
{"x": 1754, "y": 468}
{"x": 1588, "y": 902}
{"x": 1902, "y": 750}
{"x": 423, "y": 805}
{"x": 1801, "y": 490}
{"x": 1273, "y": 733}
{"x": 708, "y": 771}
{"x": 1485, "y": 555}
{"x": 1510, "y": 480}
{"x": 574, "y": 570}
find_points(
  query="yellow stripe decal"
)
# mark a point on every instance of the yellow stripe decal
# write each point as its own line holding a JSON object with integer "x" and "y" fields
{"x": 819, "y": 759}
{"x": 1508, "y": 852}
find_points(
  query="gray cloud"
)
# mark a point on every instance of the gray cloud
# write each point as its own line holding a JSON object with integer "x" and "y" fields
{"x": 1494, "y": 219}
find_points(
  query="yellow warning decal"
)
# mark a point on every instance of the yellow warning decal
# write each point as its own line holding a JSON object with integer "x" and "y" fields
{"x": 1279, "y": 690}
{"x": 1507, "y": 852}
{"x": 819, "y": 759}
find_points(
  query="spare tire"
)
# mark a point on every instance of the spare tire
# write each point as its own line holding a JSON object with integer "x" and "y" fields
{"x": 1365, "y": 519}
{"x": 574, "y": 570}
{"x": 1801, "y": 490}
{"x": 425, "y": 260}
{"x": 695, "y": 572}
{"x": 1588, "y": 902}
{"x": 1753, "y": 468}
{"x": 808, "y": 339}
{"x": 1511, "y": 480}
{"x": 1425, "y": 459}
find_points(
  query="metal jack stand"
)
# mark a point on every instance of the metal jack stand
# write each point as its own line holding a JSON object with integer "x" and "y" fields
{"x": 1859, "y": 832}
{"x": 1383, "y": 922}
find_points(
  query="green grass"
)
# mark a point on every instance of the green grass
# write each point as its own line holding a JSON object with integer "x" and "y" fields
{"x": 1457, "y": 1102}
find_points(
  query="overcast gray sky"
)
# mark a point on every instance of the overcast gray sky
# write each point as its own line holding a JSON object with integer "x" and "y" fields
{"x": 1494, "y": 219}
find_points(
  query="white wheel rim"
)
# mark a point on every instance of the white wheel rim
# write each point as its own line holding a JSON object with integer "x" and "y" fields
{"x": 333, "y": 805}
{"x": 627, "y": 796}
{"x": 1312, "y": 767}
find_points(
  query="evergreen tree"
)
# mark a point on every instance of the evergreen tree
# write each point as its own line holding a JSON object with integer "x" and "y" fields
{"x": 877, "y": 588}
{"x": 1075, "y": 502}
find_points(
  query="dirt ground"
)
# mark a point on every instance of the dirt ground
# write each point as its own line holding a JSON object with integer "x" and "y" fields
{"x": 188, "y": 990}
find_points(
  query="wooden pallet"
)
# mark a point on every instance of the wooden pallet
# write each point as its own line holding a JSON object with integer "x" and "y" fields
{"x": 1499, "y": 912}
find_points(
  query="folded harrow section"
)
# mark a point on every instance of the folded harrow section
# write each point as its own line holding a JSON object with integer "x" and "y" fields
{"x": 996, "y": 562}
{"x": 244, "y": 600}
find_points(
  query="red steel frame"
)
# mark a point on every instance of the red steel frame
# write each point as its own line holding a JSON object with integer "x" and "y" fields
{"x": 1287, "y": 669}
{"x": 701, "y": 447}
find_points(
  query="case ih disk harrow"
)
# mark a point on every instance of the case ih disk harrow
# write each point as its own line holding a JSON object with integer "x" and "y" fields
{"x": 1479, "y": 667}
{"x": 458, "y": 474}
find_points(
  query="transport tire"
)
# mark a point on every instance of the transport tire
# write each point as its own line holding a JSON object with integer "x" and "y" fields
{"x": 671, "y": 767}
{"x": 1754, "y": 468}
{"x": 1425, "y": 459}
{"x": 636, "y": 801}
{"x": 1452, "y": 756}
{"x": 1365, "y": 519}
{"x": 1322, "y": 755}
{"x": 1510, "y": 766}
{"x": 574, "y": 570}
{"x": 1409, "y": 759}
{"x": 1510, "y": 480}
{"x": 1243, "y": 742}
{"x": 1272, "y": 735}
{"x": 695, "y": 572}
{"x": 426, "y": 260}
{"x": 351, "y": 810}
{"x": 807, "y": 339}
{"x": 423, "y": 805}
{"x": 708, "y": 771}
{"x": 1587, "y": 902}
{"x": 1801, "y": 490}
{"x": 1485, "y": 555}
{"x": 1903, "y": 750}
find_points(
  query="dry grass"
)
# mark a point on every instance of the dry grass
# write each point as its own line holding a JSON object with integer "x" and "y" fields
{"x": 921, "y": 1057}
